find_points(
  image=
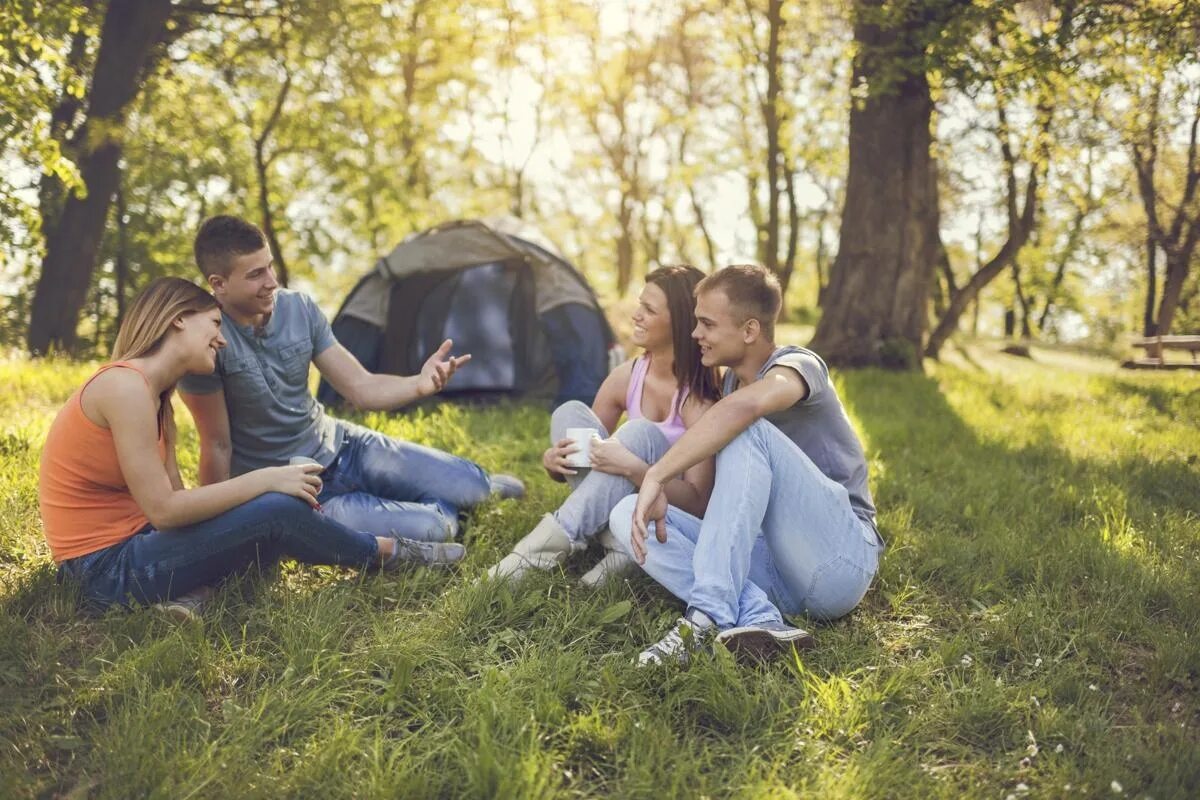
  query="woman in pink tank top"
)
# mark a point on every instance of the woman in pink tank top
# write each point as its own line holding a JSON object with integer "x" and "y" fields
{"x": 660, "y": 393}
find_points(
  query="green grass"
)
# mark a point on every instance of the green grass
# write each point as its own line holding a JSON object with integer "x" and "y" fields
{"x": 1033, "y": 630}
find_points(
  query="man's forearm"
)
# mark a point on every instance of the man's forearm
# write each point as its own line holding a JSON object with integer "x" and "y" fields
{"x": 717, "y": 428}
{"x": 386, "y": 392}
{"x": 214, "y": 464}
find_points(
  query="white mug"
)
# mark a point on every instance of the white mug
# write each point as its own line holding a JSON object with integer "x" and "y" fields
{"x": 582, "y": 437}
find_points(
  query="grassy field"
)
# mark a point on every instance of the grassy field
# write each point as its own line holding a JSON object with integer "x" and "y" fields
{"x": 1033, "y": 630}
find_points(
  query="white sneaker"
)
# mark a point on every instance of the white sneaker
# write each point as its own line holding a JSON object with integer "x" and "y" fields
{"x": 692, "y": 633}
{"x": 766, "y": 640}
{"x": 615, "y": 564}
{"x": 545, "y": 547}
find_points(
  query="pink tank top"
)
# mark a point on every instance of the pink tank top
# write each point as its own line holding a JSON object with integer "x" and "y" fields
{"x": 672, "y": 427}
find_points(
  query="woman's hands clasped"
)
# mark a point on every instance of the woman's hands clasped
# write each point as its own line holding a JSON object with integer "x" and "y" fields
{"x": 606, "y": 455}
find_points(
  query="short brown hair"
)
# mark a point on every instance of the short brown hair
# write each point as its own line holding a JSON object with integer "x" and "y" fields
{"x": 753, "y": 293}
{"x": 221, "y": 237}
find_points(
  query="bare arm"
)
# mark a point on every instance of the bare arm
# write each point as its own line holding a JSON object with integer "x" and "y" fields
{"x": 171, "y": 464}
{"x": 120, "y": 400}
{"x": 212, "y": 424}
{"x": 369, "y": 391}
{"x": 689, "y": 491}
{"x": 780, "y": 388}
{"x": 609, "y": 404}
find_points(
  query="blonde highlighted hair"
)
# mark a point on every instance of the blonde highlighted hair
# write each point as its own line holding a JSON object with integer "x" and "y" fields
{"x": 152, "y": 312}
{"x": 148, "y": 321}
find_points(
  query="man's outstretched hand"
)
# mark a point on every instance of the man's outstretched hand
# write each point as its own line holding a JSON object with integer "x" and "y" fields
{"x": 438, "y": 369}
{"x": 651, "y": 507}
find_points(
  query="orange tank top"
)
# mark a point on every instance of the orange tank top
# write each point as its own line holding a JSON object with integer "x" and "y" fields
{"x": 84, "y": 501}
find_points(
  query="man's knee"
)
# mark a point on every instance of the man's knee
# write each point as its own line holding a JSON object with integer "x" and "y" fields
{"x": 643, "y": 438}
{"x": 620, "y": 522}
{"x": 747, "y": 442}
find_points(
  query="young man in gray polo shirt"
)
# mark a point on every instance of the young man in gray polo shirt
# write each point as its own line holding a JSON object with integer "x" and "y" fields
{"x": 790, "y": 524}
{"x": 256, "y": 409}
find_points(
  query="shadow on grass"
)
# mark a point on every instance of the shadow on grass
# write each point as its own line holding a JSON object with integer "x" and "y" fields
{"x": 984, "y": 522}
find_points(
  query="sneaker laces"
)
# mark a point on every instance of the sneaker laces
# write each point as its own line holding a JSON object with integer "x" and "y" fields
{"x": 685, "y": 637}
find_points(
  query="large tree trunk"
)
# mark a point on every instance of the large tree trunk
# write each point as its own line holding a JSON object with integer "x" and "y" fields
{"x": 1149, "y": 328}
{"x": 1177, "y": 272}
{"x": 875, "y": 309}
{"x": 128, "y": 37}
{"x": 771, "y": 119}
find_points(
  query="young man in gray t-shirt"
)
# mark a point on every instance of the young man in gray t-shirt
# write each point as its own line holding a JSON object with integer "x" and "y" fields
{"x": 790, "y": 524}
{"x": 256, "y": 409}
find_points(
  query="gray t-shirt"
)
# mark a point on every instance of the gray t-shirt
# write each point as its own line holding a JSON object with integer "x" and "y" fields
{"x": 819, "y": 426}
{"x": 272, "y": 414}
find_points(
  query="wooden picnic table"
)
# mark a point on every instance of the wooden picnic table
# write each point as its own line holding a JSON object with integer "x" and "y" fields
{"x": 1156, "y": 347}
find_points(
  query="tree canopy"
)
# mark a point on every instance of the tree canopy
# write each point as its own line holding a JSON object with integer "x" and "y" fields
{"x": 908, "y": 169}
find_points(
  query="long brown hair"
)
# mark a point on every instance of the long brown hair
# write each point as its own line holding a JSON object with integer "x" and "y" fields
{"x": 679, "y": 283}
{"x": 148, "y": 321}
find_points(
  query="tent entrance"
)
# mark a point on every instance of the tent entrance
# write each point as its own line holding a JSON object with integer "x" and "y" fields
{"x": 493, "y": 319}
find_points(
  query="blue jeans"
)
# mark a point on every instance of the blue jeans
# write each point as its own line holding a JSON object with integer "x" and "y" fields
{"x": 385, "y": 486}
{"x": 153, "y": 565}
{"x": 593, "y": 493}
{"x": 778, "y": 535}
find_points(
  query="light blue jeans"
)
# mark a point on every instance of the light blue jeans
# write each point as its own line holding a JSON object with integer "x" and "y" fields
{"x": 778, "y": 535}
{"x": 593, "y": 493}
{"x": 385, "y": 486}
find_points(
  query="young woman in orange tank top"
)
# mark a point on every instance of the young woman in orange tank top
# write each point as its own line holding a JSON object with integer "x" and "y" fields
{"x": 120, "y": 522}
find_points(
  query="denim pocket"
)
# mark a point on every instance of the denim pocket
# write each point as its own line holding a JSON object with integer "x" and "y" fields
{"x": 99, "y": 575}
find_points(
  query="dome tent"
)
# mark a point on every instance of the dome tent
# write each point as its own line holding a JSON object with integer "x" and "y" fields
{"x": 500, "y": 290}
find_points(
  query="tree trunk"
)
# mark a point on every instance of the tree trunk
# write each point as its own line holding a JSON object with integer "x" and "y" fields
{"x": 1022, "y": 301}
{"x": 121, "y": 262}
{"x": 625, "y": 246}
{"x": 969, "y": 293}
{"x": 1177, "y": 272}
{"x": 771, "y": 119}
{"x": 1148, "y": 326}
{"x": 262, "y": 167}
{"x": 875, "y": 309}
{"x": 1021, "y": 221}
{"x": 128, "y": 37}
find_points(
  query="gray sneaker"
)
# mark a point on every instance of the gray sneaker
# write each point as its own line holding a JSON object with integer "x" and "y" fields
{"x": 426, "y": 554}
{"x": 506, "y": 487}
{"x": 766, "y": 640}
{"x": 187, "y": 606}
{"x": 691, "y": 634}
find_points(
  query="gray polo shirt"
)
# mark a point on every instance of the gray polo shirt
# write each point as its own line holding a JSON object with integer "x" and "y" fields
{"x": 819, "y": 426}
{"x": 272, "y": 414}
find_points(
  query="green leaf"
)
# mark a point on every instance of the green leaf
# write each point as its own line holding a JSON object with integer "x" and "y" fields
{"x": 615, "y": 612}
